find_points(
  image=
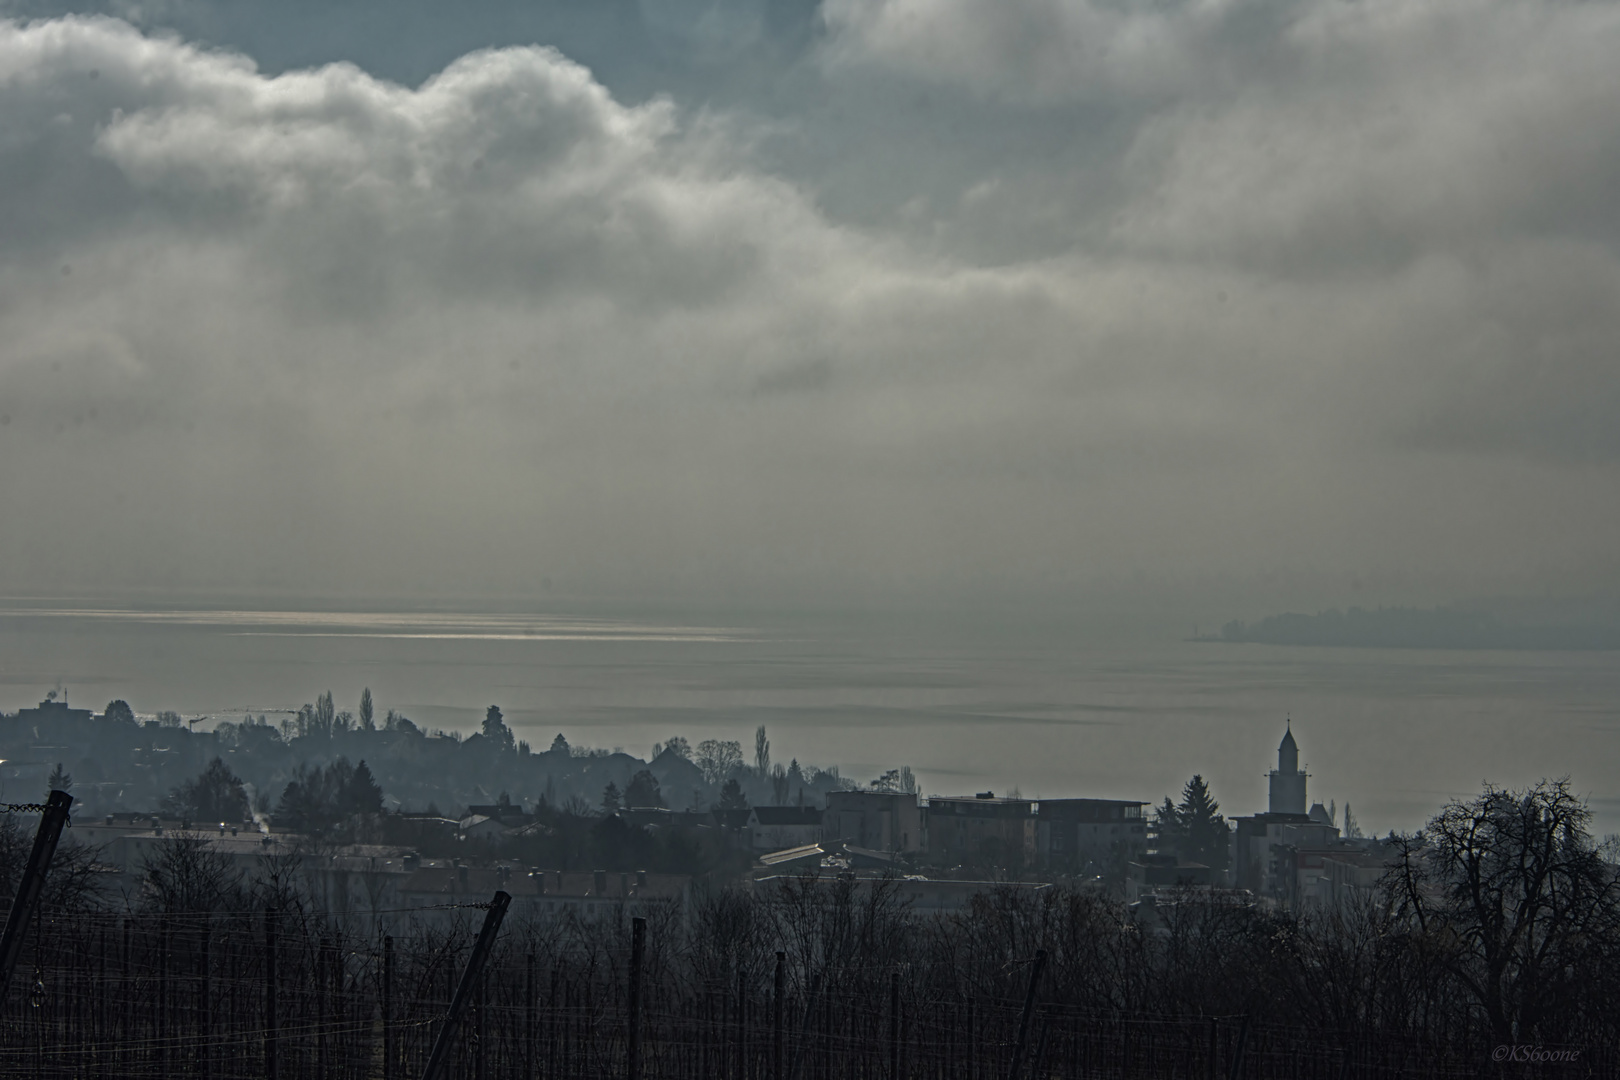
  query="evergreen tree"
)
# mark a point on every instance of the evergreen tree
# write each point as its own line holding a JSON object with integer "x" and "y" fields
{"x": 367, "y": 721}
{"x": 119, "y": 712}
{"x": 362, "y": 794}
{"x": 1205, "y": 836}
{"x": 610, "y": 797}
{"x": 314, "y": 800}
{"x": 59, "y": 780}
{"x": 1169, "y": 836}
{"x": 731, "y": 797}
{"x": 559, "y": 745}
{"x": 643, "y": 790}
{"x": 495, "y": 729}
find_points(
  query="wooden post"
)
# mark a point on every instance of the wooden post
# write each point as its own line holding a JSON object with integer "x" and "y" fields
{"x": 552, "y": 1024}
{"x": 323, "y": 1011}
{"x": 481, "y": 1031}
{"x": 1237, "y": 1051}
{"x": 894, "y": 1025}
{"x": 528, "y": 1018}
{"x": 1040, "y": 1048}
{"x": 25, "y": 905}
{"x": 125, "y": 981}
{"x": 388, "y": 1007}
{"x": 270, "y": 1017}
{"x": 776, "y": 1017}
{"x": 973, "y": 1040}
{"x": 1023, "y": 1022}
{"x": 469, "y": 982}
{"x": 161, "y": 1044}
{"x": 638, "y": 949}
{"x": 204, "y": 1004}
{"x": 742, "y": 1027}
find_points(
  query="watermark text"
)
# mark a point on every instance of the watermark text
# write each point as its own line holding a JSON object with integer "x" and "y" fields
{"x": 1527, "y": 1052}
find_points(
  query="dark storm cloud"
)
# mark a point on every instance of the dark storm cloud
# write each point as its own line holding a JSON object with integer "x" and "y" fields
{"x": 949, "y": 295}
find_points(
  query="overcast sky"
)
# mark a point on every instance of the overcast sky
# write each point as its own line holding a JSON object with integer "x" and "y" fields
{"x": 770, "y": 298}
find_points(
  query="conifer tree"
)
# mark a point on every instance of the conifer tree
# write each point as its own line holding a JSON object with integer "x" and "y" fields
{"x": 1204, "y": 831}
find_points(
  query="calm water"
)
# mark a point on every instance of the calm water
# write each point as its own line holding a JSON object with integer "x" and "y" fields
{"x": 1392, "y": 732}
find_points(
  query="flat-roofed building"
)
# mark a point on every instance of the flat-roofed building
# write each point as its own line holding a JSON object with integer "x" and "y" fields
{"x": 1153, "y": 874}
{"x": 982, "y": 829}
{"x": 1091, "y": 837}
{"x": 1263, "y": 847}
{"x": 880, "y": 820}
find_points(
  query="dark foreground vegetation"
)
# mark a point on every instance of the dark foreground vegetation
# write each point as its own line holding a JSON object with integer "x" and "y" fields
{"x": 1497, "y": 929}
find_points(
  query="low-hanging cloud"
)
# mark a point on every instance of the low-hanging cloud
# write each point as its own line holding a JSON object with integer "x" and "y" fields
{"x": 318, "y": 330}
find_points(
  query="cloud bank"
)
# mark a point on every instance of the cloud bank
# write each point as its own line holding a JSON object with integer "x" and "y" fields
{"x": 1332, "y": 295}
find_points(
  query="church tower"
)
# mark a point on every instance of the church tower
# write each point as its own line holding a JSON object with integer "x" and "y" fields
{"x": 1287, "y": 779}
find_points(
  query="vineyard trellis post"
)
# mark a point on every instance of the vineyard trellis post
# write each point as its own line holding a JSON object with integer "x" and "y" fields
{"x": 481, "y": 1030}
{"x": 552, "y": 1021}
{"x": 270, "y": 1019}
{"x": 388, "y": 1007}
{"x": 1017, "y": 1065}
{"x": 25, "y": 904}
{"x": 776, "y": 1016}
{"x": 163, "y": 1026}
{"x": 742, "y": 1027}
{"x": 638, "y": 949}
{"x": 1040, "y": 1047}
{"x": 470, "y": 980}
{"x": 529, "y": 1020}
{"x": 894, "y": 1025}
{"x": 1237, "y": 1051}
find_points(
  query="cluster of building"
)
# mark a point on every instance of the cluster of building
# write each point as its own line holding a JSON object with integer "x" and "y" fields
{"x": 1295, "y": 856}
{"x": 1289, "y": 855}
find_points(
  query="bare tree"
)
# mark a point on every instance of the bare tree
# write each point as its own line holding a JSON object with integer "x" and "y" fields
{"x": 184, "y": 873}
{"x": 1511, "y": 892}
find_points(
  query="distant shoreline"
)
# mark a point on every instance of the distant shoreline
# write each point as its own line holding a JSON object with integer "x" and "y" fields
{"x": 1414, "y": 628}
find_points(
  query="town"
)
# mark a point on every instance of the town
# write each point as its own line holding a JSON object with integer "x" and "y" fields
{"x": 273, "y": 896}
{"x": 731, "y": 820}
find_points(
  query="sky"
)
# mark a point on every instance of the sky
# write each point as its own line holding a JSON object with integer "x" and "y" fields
{"x": 857, "y": 301}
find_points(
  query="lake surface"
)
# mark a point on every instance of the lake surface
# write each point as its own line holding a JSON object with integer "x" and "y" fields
{"x": 1053, "y": 714}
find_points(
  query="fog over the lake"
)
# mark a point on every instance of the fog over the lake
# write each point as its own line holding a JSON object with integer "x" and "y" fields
{"x": 751, "y": 298}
